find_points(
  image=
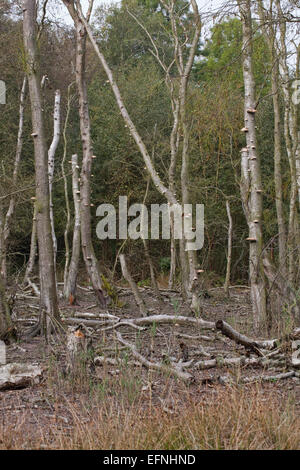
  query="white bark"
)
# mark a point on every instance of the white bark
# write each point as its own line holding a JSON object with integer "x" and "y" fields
{"x": 291, "y": 143}
{"x": 178, "y": 102}
{"x": 229, "y": 249}
{"x": 251, "y": 186}
{"x": 123, "y": 110}
{"x": 71, "y": 276}
{"x": 89, "y": 256}
{"x": 9, "y": 214}
{"x": 51, "y": 164}
{"x": 68, "y": 212}
{"x": 48, "y": 299}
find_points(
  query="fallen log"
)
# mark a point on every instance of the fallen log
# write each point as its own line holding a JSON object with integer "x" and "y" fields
{"x": 161, "y": 319}
{"x": 249, "y": 343}
{"x": 269, "y": 378}
{"x": 176, "y": 320}
{"x": 221, "y": 362}
{"x": 14, "y": 376}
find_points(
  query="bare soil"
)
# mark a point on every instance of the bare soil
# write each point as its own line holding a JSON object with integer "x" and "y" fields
{"x": 59, "y": 400}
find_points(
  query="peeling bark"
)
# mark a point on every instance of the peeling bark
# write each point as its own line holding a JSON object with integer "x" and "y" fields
{"x": 251, "y": 185}
{"x": 48, "y": 298}
{"x": 70, "y": 285}
{"x": 11, "y": 209}
{"x": 51, "y": 165}
{"x": 89, "y": 256}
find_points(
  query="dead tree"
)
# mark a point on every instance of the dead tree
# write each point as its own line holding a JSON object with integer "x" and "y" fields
{"x": 70, "y": 281}
{"x": 49, "y": 313}
{"x": 229, "y": 249}
{"x": 11, "y": 208}
{"x": 89, "y": 256}
{"x": 51, "y": 164}
{"x": 251, "y": 184}
{"x": 189, "y": 266}
{"x": 292, "y": 145}
{"x": 180, "y": 130}
{"x": 269, "y": 29}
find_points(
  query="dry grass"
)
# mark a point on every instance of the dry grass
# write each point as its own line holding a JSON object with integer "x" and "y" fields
{"x": 227, "y": 418}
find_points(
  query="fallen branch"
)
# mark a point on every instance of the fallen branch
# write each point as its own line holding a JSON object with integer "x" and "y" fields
{"x": 153, "y": 365}
{"x": 158, "y": 319}
{"x": 92, "y": 316}
{"x": 269, "y": 378}
{"x": 221, "y": 362}
{"x": 239, "y": 338}
{"x": 176, "y": 320}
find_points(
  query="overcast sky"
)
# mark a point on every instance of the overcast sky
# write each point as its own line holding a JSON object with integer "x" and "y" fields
{"x": 205, "y": 7}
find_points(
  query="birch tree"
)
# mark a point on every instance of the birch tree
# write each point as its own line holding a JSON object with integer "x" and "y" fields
{"x": 269, "y": 29}
{"x": 89, "y": 256}
{"x": 5, "y": 233}
{"x": 251, "y": 184}
{"x": 291, "y": 143}
{"x": 189, "y": 274}
{"x": 49, "y": 313}
{"x": 51, "y": 165}
{"x": 71, "y": 269}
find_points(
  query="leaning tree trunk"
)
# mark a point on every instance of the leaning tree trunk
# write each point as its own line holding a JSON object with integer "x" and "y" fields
{"x": 89, "y": 256}
{"x": 49, "y": 313}
{"x": 251, "y": 162}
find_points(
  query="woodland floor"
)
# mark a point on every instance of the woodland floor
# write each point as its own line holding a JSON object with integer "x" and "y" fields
{"x": 60, "y": 411}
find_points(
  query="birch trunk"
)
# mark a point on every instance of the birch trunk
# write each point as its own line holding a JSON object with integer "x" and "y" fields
{"x": 51, "y": 165}
{"x": 33, "y": 253}
{"x": 49, "y": 313}
{"x": 12, "y": 202}
{"x": 68, "y": 212}
{"x": 124, "y": 113}
{"x": 188, "y": 260}
{"x": 174, "y": 139}
{"x": 87, "y": 157}
{"x": 127, "y": 276}
{"x": 174, "y": 144}
{"x": 71, "y": 277}
{"x": 291, "y": 143}
{"x": 269, "y": 30}
{"x": 277, "y": 173}
{"x": 253, "y": 197}
{"x": 229, "y": 249}
{"x": 180, "y": 121}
